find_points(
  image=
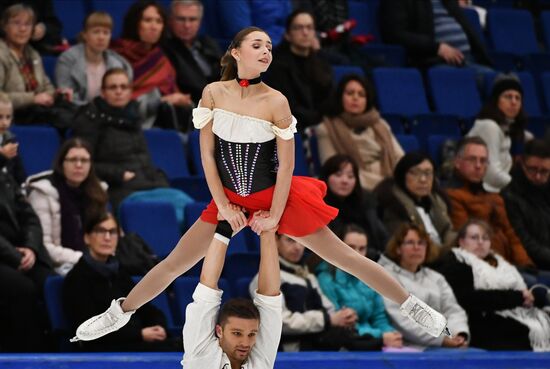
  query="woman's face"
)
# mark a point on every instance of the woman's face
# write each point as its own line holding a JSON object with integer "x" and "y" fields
{"x": 342, "y": 182}
{"x": 102, "y": 241}
{"x": 354, "y": 98}
{"x": 150, "y": 26}
{"x": 357, "y": 241}
{"x": 289, "y": 249}
{"x": 412, "y": 251}
{"x": 117, "y": 90}
{"x": 76, "y": 166}
{"x": 97, "y": 39}
{"x": 19, "y": 29}
{"x": 419, "y": 179}
{"x": 253, "y": 56}
{"x": 477, "y": 241}
{"x": 509, "y": 103}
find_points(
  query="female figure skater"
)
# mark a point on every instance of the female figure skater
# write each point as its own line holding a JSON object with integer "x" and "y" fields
{"x": 247, "y": 151}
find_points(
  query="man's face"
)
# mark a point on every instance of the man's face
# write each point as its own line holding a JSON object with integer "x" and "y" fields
{"x": 472, "y": 163}
{"x": 237, "y": 337}
{"x": 537, "y": 170}
{"x": 185, "y": 22}
{"x": 302, "y": 32}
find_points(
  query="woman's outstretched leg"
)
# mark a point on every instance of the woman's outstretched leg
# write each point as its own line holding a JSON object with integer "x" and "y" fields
{"x": 190, "y": 249}
{"x": 329, "y": 247}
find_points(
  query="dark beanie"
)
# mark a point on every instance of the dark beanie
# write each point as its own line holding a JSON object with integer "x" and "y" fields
{"x": 504, "y": 82}
{"x": 407, "y": 162}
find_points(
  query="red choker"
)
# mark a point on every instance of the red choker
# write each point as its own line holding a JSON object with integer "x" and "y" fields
{"x": 248, "y": 82}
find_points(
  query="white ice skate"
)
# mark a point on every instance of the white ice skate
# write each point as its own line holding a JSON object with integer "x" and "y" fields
{"x": 430, "y": 320}
{"x": 98, "y": 326}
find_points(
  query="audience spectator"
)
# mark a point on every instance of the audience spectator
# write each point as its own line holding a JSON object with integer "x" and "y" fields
{"x": 46, "y": 33}
{"x": 81, "y": 68}
{"x": 22, "y": 74}
{"x": 354, "y": 127}
{"x": 527, "y": 200}
{"x": 491, "y": 290}
{"x": 154, "y": 76}
{"x": 63, "y": 198}
{"x": 406, "y": 254}
{"x": 345, "y": 290}
{"x": 470, "y": 200}
{"x": 413, "y": 196}
{"x": 432, "y": 32}
{"x": 96, "y": 280}
{"x": 24, "y": 267}
{"x": 310, "y": 321}
{"x": 354, "y": 204}
{"x": 195, "y": 57}
{"x": 298, "y": 72}
{"x": 10, "y": 161}
{"x": 111, "y": 124}
{"x": 501, "y": 121}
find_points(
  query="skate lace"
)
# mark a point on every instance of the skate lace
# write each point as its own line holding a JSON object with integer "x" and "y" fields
{"x": 421, "y": 316}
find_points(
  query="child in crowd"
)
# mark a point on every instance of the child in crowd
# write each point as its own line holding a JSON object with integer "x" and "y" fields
{"x": 10, "y": 161}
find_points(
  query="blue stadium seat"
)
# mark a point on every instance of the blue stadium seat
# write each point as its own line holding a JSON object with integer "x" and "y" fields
{"x": 512, "y": 31}
{"x": 239, "y": 265}
{"x": 193, "y": 145}
{"x": 71, "y": 14}
{"x": 53, "y": 297}
{"x": 385, "y": 55}
{"x": 487, "y": 4}
{"x": 546, "y": 89}
{"x": 37, "y": 147}
{"x": 366, "y": 15}
{"x": 183, "y": 291}
{"x": 400, "y": 91}
{"x": 167, "y": 152}
{"x": 473, "y": 18}
{"x": 531, "y": 99}
{"x": 454, "y": 91}
{"x": 545, "y": 24}
{"x": 426, "y": 125}
{"x": 434, "y": 146}
{"x": 409, "y": 143}
{"x": 241, "y": 289}
{"x": 155, "y": 222}
{"x": 538, "y": 126}
{"x": 162, "y": 302}
{"x": 339, "y": 71}
{"x": 300, "y": 162}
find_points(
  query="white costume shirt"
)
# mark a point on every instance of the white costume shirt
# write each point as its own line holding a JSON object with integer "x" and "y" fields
{"x": 201, "y": 346}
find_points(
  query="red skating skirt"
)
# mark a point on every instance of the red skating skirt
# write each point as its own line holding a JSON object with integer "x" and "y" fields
{"x": 305, "y": 210}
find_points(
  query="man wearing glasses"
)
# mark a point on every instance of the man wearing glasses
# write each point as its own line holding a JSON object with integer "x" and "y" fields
{"x": 470, "y": 200}
{"x": 195, "y": 58}
{"x": 527, "y": 200}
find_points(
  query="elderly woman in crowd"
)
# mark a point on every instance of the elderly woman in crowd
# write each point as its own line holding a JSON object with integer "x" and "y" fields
{"x": 413, "y": 196}
{"x": 154, "y": 76}
{"x": 22, "y": 74}
{"x": 96, "y": 280}
{"x": 406, "y": 254}
{"x": 63, "y": 198}
{"x": 501, "y": 122}
{"x": 81, "y": 68}
{"x": 355, "y": 205}
{"x": 500, "y": 308}
{"x": 354, "y": 127}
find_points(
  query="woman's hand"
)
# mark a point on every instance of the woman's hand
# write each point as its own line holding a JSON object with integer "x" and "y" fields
{"x": 127, "y": 175}
{"x": 234, "y": 216}
{"x": 392, "y": 339}
{"x": 178, "y": 99}
{"x": 260, "y": 223}
{"x": 43, "y": 99}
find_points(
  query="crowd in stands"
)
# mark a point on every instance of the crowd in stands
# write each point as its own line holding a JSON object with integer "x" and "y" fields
{"x": 464, "y": 224}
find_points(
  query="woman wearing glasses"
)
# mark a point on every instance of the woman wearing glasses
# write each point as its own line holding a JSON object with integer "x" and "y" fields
{"x": 63, "y": 198}
{"x": 406, "y": 254}
{"x": 500, "y": 308}
{"x": 96, "y": 279}
{"x": 413, "y": 196}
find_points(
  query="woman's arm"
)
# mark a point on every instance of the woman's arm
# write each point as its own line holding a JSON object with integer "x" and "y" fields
{"x": 207, "y": 147}
{"x": 282, "y": 118}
